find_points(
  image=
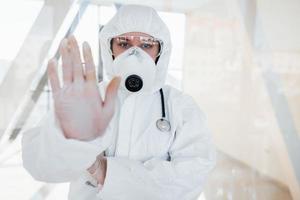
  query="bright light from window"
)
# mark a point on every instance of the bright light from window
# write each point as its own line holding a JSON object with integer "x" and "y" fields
{"x": 15, "y": 23}
{"x": 176, "y": 25}
{"x": 16, "y": 18}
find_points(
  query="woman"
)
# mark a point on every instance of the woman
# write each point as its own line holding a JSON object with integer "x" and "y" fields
{"x": 145, "y": 140}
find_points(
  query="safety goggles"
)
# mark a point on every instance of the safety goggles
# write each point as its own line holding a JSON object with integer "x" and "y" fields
{"x": 150, "y": 45}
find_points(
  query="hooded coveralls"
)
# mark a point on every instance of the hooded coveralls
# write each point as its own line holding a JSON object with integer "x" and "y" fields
{"x": 143, "y": 163}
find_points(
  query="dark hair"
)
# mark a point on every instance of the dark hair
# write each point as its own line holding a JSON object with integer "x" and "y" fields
{"x": 157, "y": 58}
{"x": 111, "y": 48}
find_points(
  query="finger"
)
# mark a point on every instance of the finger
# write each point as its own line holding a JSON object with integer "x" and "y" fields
{"x": 90, "y": 72}
{"x": 66, "y": 61}
{"x": 76, "y": 60}
{"x": 53, "y": 75}
{"x": 110, "y": 95}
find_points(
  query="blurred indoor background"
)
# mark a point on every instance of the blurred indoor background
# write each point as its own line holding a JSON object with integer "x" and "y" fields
{"x": 239, "y": 59}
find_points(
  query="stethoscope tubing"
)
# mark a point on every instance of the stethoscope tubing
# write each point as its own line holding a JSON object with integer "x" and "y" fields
{"x": 163, "y": 124}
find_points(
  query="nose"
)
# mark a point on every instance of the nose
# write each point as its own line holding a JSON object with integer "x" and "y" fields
{"x": 133, "y": 51}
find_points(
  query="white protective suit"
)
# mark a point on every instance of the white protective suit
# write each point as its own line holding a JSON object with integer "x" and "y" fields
{"x": 143, "y": 163}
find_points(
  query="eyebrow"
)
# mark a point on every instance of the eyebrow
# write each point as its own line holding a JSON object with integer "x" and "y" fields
{"x": 123, "y": 38}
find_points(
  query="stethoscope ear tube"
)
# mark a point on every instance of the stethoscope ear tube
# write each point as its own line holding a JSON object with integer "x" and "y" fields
{"x": 162, "y": 103}
{"x": 163, "y": 124}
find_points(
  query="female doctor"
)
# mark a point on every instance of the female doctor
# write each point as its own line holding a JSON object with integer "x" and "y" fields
{"x": 130, "y": 139}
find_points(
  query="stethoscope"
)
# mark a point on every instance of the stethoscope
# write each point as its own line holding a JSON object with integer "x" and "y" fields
{"x": 163, "y": 124}
{"x": 134, "y": 83}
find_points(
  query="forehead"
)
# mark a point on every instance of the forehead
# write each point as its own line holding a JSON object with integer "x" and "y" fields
{"x": 136, "y": 34}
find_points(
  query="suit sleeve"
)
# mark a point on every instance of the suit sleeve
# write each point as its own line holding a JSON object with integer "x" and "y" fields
{"x": 48, "y": 156}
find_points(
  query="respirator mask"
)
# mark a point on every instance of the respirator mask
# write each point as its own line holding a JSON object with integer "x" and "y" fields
{"x": 136, "y": 69}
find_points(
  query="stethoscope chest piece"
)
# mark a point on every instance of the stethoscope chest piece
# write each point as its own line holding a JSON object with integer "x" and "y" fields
{"x": 163, "y": 125}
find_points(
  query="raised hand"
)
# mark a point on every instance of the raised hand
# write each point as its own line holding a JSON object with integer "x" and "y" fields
{"x": 79, "y": 108}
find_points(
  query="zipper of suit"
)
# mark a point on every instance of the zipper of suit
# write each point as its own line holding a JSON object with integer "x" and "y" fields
{"x": 132, "y": 124}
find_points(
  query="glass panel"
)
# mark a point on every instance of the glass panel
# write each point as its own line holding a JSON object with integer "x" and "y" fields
{"x": 12, "y": 25}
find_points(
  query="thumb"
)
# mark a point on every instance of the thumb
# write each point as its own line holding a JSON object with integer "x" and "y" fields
{"x": 110, "y": 95}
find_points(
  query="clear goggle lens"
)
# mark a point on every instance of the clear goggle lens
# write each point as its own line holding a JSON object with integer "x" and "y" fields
{"x": 150, "y": 45}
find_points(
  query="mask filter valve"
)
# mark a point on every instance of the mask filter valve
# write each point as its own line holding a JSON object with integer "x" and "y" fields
{"x": 134, "y": 83}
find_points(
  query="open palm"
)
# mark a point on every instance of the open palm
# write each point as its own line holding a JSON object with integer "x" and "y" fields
{"x": 79, "y": 108}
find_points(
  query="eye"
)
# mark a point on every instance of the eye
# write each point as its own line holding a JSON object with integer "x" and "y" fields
{"x": 123, "y": 44}
{"x": 147, "y": 46}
